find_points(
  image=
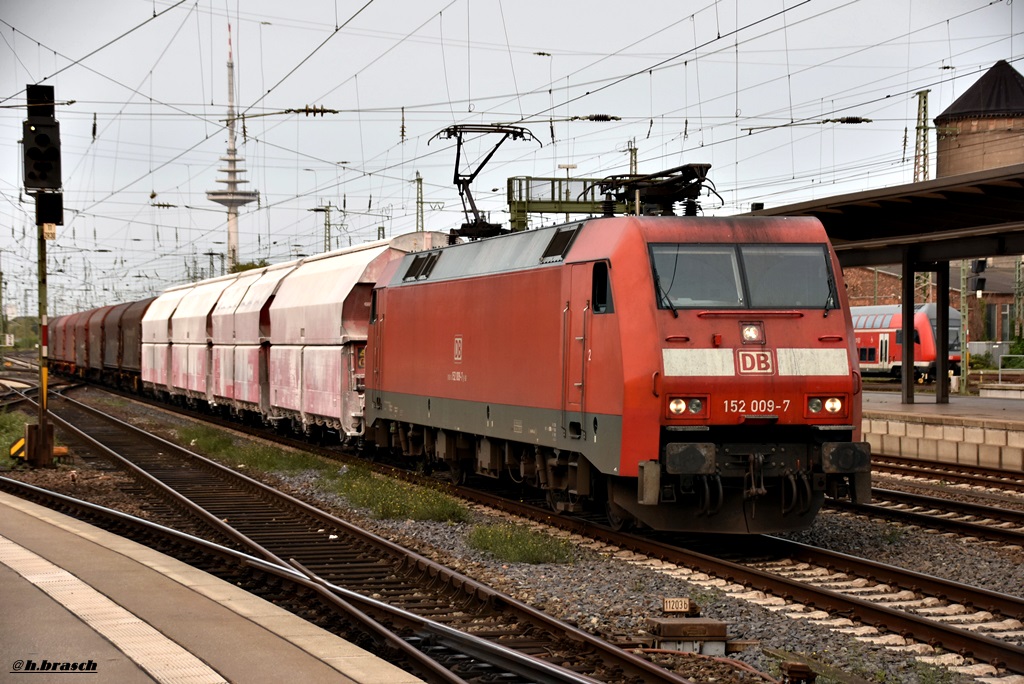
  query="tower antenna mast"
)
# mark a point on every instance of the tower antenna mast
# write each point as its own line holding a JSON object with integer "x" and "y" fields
{"x": 231, "y": 197}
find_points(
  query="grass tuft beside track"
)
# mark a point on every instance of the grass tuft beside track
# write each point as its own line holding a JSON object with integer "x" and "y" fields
{"x": 519, "y": 544}
{"x": 12, "y": 428}
{"x": 384, "y": 497}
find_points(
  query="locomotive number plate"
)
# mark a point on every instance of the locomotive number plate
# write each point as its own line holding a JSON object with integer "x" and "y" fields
{"x": 758, "y": 406}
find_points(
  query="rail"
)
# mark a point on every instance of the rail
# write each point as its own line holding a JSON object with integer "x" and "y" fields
{"x": 496, "y": 631}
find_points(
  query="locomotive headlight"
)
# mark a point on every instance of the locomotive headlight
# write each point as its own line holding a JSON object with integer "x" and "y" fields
{"x": 814, "y": 405}
{"x": 752, "y": 333}
{"x": 691, "y": 407}
{"x": 833, "y": 405}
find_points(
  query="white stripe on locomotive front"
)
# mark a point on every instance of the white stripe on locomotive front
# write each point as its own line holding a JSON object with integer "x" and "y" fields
{"x": 722, "y": 362}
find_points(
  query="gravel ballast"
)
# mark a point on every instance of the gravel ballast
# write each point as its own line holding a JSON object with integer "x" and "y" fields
{"x": 609, "y": 595}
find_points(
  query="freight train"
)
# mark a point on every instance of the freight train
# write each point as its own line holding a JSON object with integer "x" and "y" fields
{"x": 680, "y": 373}
{"x": 879, "y": 334}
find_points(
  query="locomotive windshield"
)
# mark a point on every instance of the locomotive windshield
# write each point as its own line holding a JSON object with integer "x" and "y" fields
{"x": 754, "y": 276}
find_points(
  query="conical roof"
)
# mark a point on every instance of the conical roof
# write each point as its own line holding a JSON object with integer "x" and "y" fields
{"x": 1000, "y": 92}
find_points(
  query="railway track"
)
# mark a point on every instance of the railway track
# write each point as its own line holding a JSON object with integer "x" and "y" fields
{"x": 894, "y": 603}
{"x": 843, "y": 592}
{"x": 965, "y": 519}
{"x": 954, "y": 473}
{"x": 516, "y": 641}
{"x": 336, "y": 608}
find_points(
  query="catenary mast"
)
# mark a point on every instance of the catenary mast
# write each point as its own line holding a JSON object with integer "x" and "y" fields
{"x": 231, "y": 197}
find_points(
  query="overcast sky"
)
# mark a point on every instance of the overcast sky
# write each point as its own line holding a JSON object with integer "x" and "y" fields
{"x": 740, "y": 84}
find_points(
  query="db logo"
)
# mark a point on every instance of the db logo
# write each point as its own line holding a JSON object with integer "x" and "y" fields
{"x": 756, "y": 362}
{"x": 458, "y": 349}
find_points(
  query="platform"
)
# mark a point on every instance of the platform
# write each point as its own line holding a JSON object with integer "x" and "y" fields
{"x": 79, "y": 602}
{"x": 985, "y": 431}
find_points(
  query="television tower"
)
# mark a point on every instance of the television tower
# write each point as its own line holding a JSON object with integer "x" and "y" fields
{"x": 231, "y": 197}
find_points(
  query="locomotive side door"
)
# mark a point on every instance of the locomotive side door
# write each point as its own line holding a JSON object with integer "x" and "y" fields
{"x": 575, "y": 330}
{"x": 377, "y": 323}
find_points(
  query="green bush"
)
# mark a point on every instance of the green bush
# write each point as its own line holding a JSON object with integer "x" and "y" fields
{"x": 982, "y": 361}
{"x": 12, "y": 428}
{"x": 1016, "y": 349}
{"x": 518, "y": 544}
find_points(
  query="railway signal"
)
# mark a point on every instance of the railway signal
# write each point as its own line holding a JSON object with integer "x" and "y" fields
{"x": 41, "y": 148}
{"x": 977, "y": 280}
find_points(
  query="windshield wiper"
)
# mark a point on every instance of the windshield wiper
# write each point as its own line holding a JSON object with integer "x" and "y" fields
{"x": 830, "y": 301}
{"x": 663, "y": 294}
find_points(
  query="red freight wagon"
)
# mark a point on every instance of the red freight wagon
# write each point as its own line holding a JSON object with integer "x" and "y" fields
{"x": 61, "y": 351}
{"x": 94, "y": 334}
{"x": 130, "y": 338}
{"x": 686, "y": 373}
{"x": 112, "y": 338}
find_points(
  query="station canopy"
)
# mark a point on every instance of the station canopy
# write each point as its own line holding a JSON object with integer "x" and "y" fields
{"x": 968, "y": 216}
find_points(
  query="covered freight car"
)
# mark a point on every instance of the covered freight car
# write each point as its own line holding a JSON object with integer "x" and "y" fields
{"x": 317, "y": 333}
{"x": 241, "y": 340}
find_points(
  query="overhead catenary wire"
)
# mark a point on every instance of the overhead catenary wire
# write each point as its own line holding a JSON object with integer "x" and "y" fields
{"x": 386, "y": 169}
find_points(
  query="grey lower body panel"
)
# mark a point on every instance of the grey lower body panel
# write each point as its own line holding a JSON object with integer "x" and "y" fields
{"x": 600, "y": 441}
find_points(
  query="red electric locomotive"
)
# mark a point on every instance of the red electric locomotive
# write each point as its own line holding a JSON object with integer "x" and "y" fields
{"x": 686, "y": 373}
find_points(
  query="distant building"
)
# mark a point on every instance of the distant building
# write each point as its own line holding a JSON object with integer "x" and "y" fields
{"x": 983, "y": 129}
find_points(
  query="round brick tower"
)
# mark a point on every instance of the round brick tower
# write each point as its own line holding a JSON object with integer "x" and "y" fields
{"x": 984, "y": 127}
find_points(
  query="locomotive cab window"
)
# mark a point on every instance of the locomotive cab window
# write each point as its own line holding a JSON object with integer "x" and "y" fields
{"x": 601, "y": 296}
{"x": 696, "y": 275}
{"x": 789, "y": 276}
{"x": 757, "y": 276}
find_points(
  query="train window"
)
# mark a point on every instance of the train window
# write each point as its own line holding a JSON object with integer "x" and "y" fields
{"x": 899, "y": 337}
{"x": 601, "y": 297}
{"x": 421, "y": 266}
{"x": 559, "y": 244}
{"x": 696, "y": 275}
{"x": 788, "y": 275}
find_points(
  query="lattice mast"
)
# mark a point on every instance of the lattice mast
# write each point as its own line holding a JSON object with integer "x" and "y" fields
{"x": 231, "y": 197}
{"x": 921, "y": 138}
{"x": 923, "y": 281}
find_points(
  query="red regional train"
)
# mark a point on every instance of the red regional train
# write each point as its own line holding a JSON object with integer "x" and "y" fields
{"x": 879, "y": 334}
{"x": 683, "y": 373}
